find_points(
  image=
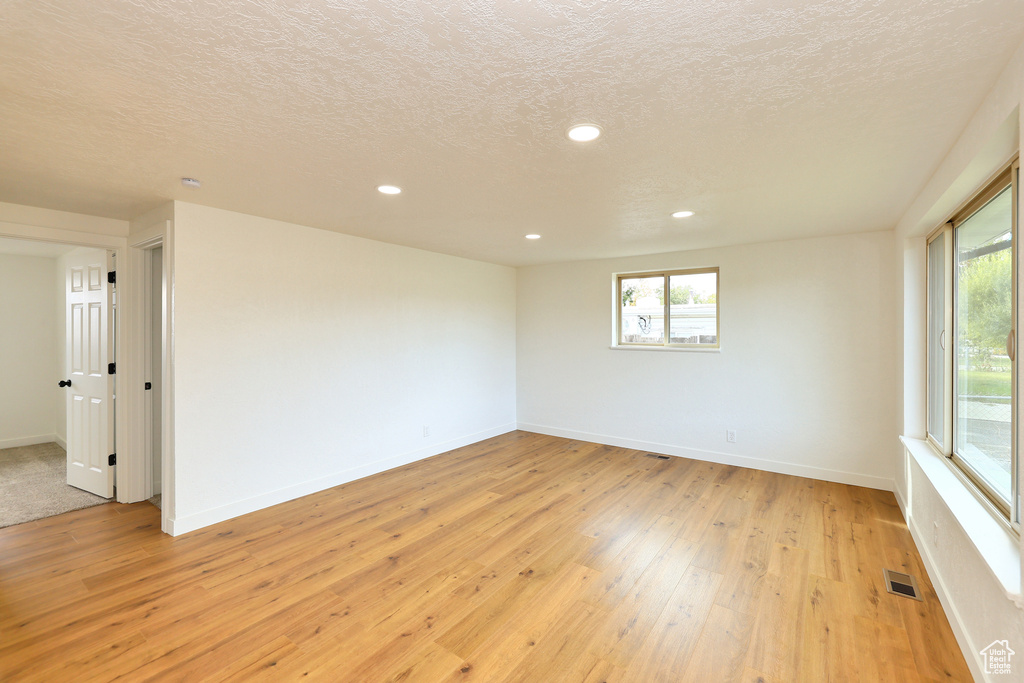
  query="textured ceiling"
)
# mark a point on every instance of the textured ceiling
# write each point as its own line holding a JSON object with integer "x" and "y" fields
{"x": 772, "y": 119}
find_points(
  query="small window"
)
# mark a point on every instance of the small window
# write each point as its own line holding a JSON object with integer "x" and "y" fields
{"x": 686, "y": 318}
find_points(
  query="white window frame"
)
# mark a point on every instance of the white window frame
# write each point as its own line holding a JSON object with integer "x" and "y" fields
{"x": 667, "y": 275}
{"x": 1007, "y": 511}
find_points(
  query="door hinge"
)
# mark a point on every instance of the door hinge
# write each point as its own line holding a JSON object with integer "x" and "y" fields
{"x": 112, "y": 277}
{"x": 112, "y": 459}
{"x": 111, "y": 368}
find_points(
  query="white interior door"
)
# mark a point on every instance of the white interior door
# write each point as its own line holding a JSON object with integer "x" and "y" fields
{"x": 90, "y": 415}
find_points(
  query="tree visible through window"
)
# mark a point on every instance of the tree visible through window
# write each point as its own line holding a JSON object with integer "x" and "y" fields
{"x": 971, "y": 341}
{"x": 983, "y": 322}
{"x": 688, "y": 318}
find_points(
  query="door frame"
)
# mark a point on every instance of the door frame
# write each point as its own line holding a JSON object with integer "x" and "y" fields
{"x": 129, "y": 410}
{"x": 158, "y": 231}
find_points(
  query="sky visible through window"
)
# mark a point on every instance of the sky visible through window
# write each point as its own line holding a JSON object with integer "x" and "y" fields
{"x": 693, "y": 310}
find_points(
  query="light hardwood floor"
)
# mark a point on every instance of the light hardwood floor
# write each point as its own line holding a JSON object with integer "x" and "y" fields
{"x": 521, "y": 558}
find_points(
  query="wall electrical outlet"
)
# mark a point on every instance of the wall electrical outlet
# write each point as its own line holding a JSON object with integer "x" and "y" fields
{"x": 730, "y": 435}
{"x": 426, "y": 430}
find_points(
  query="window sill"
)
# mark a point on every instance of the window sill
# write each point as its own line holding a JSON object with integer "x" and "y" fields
{"x": 673, "y": 349}
{"x": 997, "y": 545}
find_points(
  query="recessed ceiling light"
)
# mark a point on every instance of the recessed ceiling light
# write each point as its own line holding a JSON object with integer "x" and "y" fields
{"x": 191, "y": 182}
{"x": 533, "y": 237}
{"x": 682, "y": 214}
{"x": 584, "y": 132}
{"x": 389, "y": 189}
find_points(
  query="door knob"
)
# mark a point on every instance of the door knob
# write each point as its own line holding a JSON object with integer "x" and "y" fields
{"x": 65, "y": 383}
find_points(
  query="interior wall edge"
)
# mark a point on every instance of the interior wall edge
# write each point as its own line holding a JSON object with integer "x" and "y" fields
{"x": 794, "y": 469}
{"x": 198, "y": 520}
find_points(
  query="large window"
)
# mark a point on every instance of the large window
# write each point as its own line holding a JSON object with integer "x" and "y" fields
{"x": 971, "y": 392}
{"x": 675, "y": 308}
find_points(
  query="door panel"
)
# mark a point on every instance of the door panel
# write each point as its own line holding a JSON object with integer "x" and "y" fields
{"x": 90, "y": 414}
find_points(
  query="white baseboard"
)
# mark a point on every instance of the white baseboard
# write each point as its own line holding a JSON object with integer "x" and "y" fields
{"x": 838, "y": 476}
{"x": 29, "y": 441}
{"x": 60, "y": 441}
{"x": 901, "y": 502}
{"x": 967, "y": 647}
{"x": 198, "y": 520}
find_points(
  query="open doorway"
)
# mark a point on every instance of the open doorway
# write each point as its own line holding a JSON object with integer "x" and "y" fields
{"x": 155, "y": 314}
{"x": 134, "y": 414}
{"x": 55, "y": 401}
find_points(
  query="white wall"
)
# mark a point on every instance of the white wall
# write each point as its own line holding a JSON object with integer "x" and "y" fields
{"x": 969, "y": 557}
{"x": 28, "y": 369}
{"x": 52, "y": 225}
{"x": 963, "y": 549}
{"x": 806, "y": 372}
{"x": 305, "y": 358}
{"x": 30, "y": 222}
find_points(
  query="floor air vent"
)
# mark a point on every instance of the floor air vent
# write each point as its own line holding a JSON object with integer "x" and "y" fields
{"x": 655, "y": 455}
{"x": 898, "y": 583}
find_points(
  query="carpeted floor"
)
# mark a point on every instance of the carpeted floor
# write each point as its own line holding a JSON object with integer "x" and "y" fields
{"x": 33, "y": 485}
